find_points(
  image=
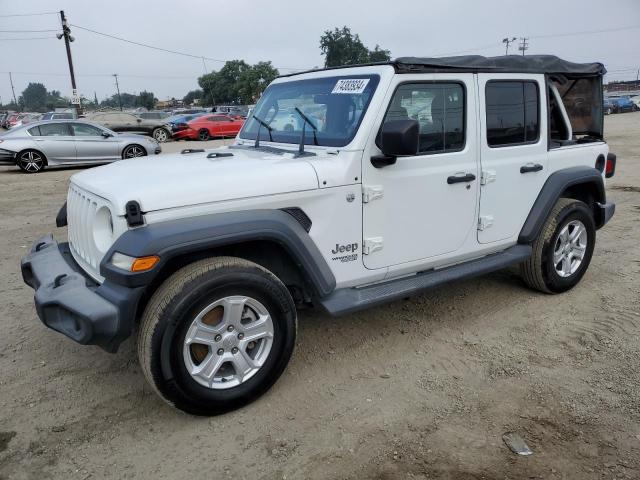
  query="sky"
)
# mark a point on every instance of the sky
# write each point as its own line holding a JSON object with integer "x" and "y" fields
{"x": 287, "y": 32}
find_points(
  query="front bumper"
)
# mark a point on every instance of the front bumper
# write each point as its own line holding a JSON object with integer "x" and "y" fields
{"x": 184, "y": 134}
{"x": 71, "y": 303}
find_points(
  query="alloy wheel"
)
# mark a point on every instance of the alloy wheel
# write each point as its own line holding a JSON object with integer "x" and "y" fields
{"x": 161, "y": 135}
{"x": 31, "y": 162}
{"x": 570, "y": 248}
{"x": 228, "y": 342}
{"x": 134, "y": 151}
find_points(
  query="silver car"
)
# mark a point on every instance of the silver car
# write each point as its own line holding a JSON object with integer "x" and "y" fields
{"x": 70, "y": 142}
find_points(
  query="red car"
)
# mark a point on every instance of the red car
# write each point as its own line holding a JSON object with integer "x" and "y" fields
{"x": 209, "y": 126}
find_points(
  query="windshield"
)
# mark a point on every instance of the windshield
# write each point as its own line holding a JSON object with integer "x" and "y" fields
{"x": 335, "y": 105}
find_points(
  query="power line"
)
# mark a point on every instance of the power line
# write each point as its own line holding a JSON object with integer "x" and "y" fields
{"x": 27, "y": 38}
{"x": 585, "y": 32}
{"x": 166, "y": 50}
{"x": 26, "y": 31}
{"x": 28, "y": 14}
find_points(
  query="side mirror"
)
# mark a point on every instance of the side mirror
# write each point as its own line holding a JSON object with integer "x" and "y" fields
{"x": 139, "y": 120}
{"x": 398, "y": 138}
{"x": 106, "y": 134}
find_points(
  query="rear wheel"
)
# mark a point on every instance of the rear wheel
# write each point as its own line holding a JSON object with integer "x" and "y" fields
{"x": 563, "y": 250}
{"x": 216, "y": 335}
{"x": 31, "y": 161}
{"x": 133, "y": 151}
{"x": 204, "y": 135}
{"x": 161, "y": 135}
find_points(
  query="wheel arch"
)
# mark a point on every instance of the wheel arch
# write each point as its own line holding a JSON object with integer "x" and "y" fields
{"x": 580, "y": 183}
{"x": 273, "y": 239}
{"x": 32, "y": 149}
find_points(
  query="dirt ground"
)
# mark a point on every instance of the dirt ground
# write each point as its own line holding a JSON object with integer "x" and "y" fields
{"x": 417, "y": 389}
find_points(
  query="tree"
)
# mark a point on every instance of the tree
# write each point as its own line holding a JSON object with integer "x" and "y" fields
{"x": 192, "y": 96}
{"x": 34, "y": 97}
{"x": 146, "y": 99}
{"x": 252, "y": 82}
{"x": 341, "y": 47}
{"x": 236, "y": 82}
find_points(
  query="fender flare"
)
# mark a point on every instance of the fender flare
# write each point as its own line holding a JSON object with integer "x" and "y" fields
{"x": 196, "y": 234}
{"x": 552, "y": 190}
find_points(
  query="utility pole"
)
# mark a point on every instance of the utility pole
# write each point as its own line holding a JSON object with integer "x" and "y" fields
{"x": 507, "y": 41}
{"x": 13, "y": 90}
{"x": 66, "y": 34}
{"x": 524, "y": 45}
{"x": 118, "y": 89}
{"x": 95, "y": 99}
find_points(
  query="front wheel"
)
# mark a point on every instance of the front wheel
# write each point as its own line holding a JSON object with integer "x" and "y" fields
{"x": 31, "y": 161}
{"x": 161, "y": 135}
{"x": 216, "y": 335}
{"x": 563, "y": 250}
{"x": 133, "y": 151}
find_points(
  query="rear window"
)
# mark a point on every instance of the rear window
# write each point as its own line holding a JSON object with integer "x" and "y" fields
{"x": 582, "y": 99}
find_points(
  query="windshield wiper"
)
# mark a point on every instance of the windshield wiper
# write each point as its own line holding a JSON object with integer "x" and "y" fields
{"x": 264, "y": 124}
{"x": 306, "y": 121}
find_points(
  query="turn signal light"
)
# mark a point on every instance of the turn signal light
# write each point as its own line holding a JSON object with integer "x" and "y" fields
{"x": 143, "y": 264}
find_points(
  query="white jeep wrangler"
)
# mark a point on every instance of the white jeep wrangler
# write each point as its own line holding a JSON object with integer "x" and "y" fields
{"x": 393, "y": 179}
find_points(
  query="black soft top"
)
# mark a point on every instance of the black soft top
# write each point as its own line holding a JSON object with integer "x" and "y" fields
{"x": 547, "y": 64}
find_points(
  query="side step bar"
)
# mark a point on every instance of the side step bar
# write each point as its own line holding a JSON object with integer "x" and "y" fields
{"x": 347, "y": 300}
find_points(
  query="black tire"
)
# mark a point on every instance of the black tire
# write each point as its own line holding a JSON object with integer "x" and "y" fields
{"x": 204, "y": 135}
{"x": 161, "y": 134}
{"x": 539, "y": 272}
{"x": 31, "y": 161}
{"x": 171, "y": 311}
{"x": 134, "y": 151}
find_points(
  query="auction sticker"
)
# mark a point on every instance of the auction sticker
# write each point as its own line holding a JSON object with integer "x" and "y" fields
{"x": 351, "y": 85}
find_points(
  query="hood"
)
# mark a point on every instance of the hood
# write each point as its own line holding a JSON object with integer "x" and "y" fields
{"x": 177, "y": 180}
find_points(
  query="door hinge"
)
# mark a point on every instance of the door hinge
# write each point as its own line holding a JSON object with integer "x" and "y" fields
{"x": 487, "y": 176}
{"x": 372, "y": 192}
{"x": 371, "y": 245}
{"x": 485, "y": 221}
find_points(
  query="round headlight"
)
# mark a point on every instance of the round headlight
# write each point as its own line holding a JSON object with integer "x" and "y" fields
{"x": 103, "y": 229}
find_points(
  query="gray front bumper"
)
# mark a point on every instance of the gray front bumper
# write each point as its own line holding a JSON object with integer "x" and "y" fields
{"x": 71, "y": 303}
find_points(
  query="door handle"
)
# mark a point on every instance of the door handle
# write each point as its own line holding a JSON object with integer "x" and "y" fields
{"x": 39, "y": 139}
{"x": 530, "y": 167}
{"x": 468, "y": 177}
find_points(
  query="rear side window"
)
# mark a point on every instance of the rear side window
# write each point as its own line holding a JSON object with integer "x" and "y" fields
{"x": 512, "y": 113}
{"x": 53, "y": 130}
{"x": 439, "y": 110}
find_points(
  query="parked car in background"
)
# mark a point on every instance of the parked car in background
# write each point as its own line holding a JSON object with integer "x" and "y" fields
{"x": 179, "y": 122}
{"x": 209, "y": 126}
{"x": 154, "y": 115}
{"x": 234, "y": 110}
{"x": 70, "y": 142}
{"x": 26, "y": 118}
{"x": 636, "y": 100}
{"x": 127, "y": 122}
{"x": 609, "y": 106}
{"x": 59, "y": 116}
{"x": 623, "y": 104}
{"x": 5, "y": 121}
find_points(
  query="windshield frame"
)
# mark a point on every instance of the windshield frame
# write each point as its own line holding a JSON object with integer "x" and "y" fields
{"x": 294, "y": 138}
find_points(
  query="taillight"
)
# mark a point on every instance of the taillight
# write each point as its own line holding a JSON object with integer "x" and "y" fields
{"x": 610, "y": 168}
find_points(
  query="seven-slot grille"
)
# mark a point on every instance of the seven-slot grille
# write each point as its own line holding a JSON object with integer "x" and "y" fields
{"x": 81, "y": 211}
